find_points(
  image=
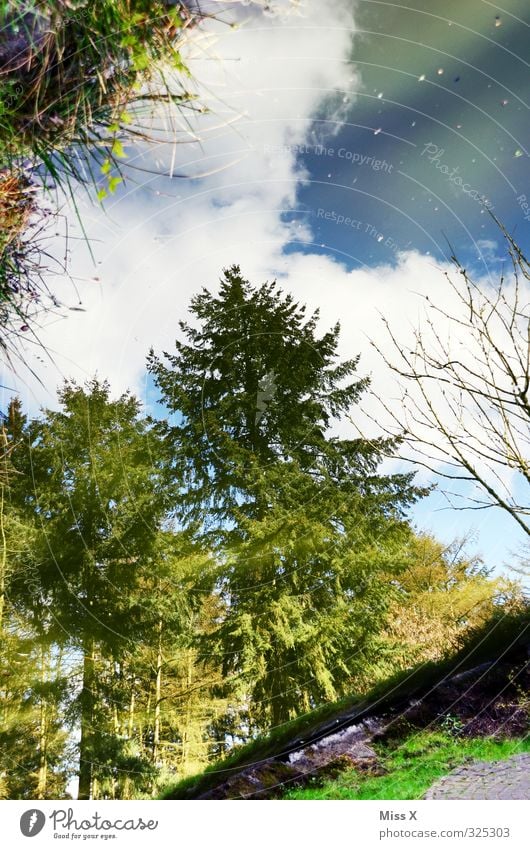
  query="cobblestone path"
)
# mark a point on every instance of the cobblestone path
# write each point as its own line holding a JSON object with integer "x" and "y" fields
{"x": 509, "y": 779}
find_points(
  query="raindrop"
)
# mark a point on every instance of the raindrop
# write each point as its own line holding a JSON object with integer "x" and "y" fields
{"x": 457, "y": 79}
{"x": 376, "y": 132}
{"x": 459, "y": 126}
{"x": 440, "y": 72}
{"x": 329, "y": 175}
{"x": 518, "y": 153}
{"x": 504, "y": 102}
{"x": 498, "y": 21}
{"x": 413, "y": 124}
{"x": 421, "y": 78}
{"x": 380, "y": 238}
{"x": 380, "y": 95}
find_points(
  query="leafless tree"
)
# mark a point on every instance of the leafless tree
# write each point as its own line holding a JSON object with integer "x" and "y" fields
{"x": 464, "y": 405}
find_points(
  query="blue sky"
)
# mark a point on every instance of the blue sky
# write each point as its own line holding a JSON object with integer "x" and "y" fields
{"x": 345, "y": 146}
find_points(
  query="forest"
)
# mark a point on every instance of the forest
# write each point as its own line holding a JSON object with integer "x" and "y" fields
{"x": 174, "y": 585}
{"x": 190, "y": 572}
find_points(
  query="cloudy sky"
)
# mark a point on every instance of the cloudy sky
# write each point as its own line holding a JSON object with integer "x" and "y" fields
{"x": 346, "y": 145}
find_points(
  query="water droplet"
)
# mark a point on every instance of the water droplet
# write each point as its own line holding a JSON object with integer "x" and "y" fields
{"x": 380, "y": 95}
{"x": 440, "y": 71}
{"x": 380, "y": 238}
{"x": 504, "y": 102}
{"x": 329, "y": 175}
{"x": 518, "y": 152}
{"x": 421, "y": 78}
{"x": 413, "y": 124}
{"x": 498, "y": 21}
{"x": 459, "y": 126}
{"x": 457, "y": 79}
{"x": 376, "y": 132}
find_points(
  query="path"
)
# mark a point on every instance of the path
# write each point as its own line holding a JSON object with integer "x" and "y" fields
{"x": 508, "y": 779}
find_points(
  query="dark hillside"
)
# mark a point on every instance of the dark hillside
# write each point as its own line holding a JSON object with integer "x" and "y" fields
{"x": 482, "y": 689}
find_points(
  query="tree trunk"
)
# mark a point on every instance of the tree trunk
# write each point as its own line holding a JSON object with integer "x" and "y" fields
{"x": 43, "y": 735}
{"x": 3, "y": 539}
{"x": 130, "y": 727}
{"x": 86, "y": 752}
{"x": 158, "y": 694}
{"x": 187, "y": 735}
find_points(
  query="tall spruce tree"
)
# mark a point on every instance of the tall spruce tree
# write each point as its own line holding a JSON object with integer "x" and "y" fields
{"x": 97, "y": 495}
{"x": 33, "y": 739}
{"x": 304, "y": 524}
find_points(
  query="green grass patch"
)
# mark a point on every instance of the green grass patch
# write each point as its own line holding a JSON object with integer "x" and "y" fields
{"x": 412, "y": 766}
{"x": 70, "y": 71}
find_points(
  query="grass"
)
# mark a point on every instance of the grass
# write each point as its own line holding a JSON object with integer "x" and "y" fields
{"x": 76, "y": 80}
{"x": 412, "y": 766}
{"x": 71, "y": 69}
{"x": 23, "y": 290}
{"x": 492, "y": 641}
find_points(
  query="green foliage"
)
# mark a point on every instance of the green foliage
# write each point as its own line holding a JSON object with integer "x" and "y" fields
{"x": 256, "y": 390}
{"x": 70, "y": 71}
{"x": 441, "y": 595}
{"x": 33, "y": 739}
{"x": 100, "y": 580}
{"x": 78, "y": 80}
{"x": 502, "y": 634}
{"x": 96, "y": 487}
{"x": 303, "y": 523}
{"x": 170, "y": 590}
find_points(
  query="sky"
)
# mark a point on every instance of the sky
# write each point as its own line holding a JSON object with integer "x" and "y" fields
{"x": 345, "y": 149}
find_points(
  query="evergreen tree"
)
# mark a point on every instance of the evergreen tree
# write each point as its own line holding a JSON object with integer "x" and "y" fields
{"x": 33, "y": 683}
{"x": 442, "y": 593}
{"x": 303, "y": 522}
{"x": 97, "y": 494}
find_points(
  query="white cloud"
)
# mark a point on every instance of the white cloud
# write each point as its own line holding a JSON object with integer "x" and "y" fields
{"x": 160, "y": 240}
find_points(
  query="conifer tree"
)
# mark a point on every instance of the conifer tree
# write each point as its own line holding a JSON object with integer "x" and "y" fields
{"x": 96, "y": 492}
{"x": 304, "y": 524}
